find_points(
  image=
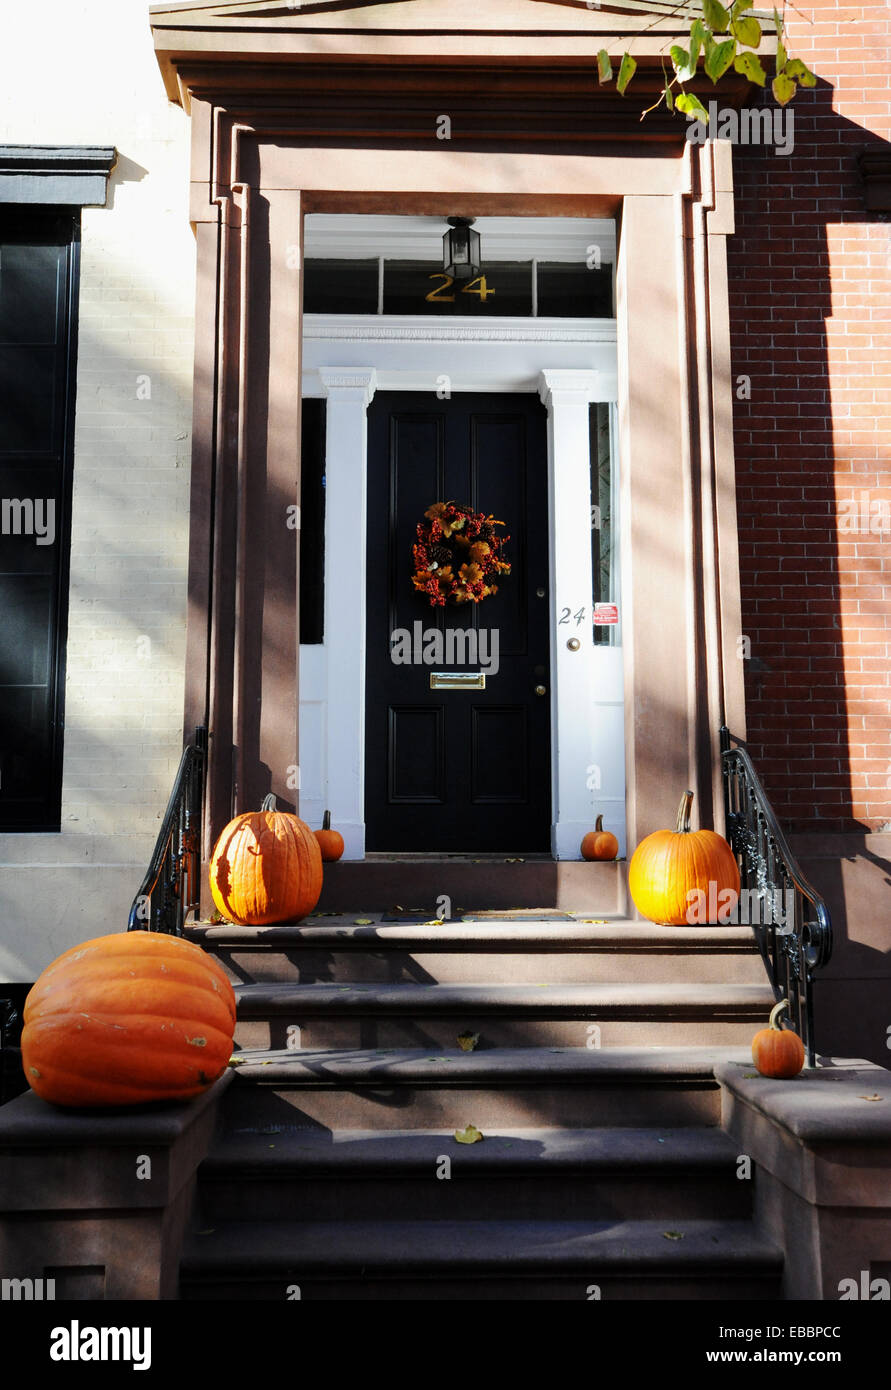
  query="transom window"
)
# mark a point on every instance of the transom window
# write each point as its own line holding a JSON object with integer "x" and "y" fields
{"x": 528, "y": 268}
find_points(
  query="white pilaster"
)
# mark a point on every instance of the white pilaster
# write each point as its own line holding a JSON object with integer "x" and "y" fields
{"x": 587, "y": 747}
{"x": 349, "y": 391}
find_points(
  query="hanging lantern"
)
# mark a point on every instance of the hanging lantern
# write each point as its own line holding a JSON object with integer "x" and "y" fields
{"x": 461, "y": 249}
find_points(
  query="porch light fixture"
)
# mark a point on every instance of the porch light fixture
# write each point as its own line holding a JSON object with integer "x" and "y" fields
{"x": 461, "y": 249}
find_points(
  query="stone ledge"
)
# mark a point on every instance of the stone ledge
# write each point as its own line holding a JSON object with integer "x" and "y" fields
{"x": 70, "y": 1160}
{"x": 73, "y": 1208}
{"x": 815, "y": 1132}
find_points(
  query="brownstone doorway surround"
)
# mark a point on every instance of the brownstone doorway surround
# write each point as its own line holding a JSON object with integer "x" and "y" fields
{"x": 325, "y": 109}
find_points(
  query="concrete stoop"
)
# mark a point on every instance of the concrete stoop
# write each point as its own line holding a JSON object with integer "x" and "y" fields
{"x": 629, "y": 1149}
{"x": 602, "y": 1172}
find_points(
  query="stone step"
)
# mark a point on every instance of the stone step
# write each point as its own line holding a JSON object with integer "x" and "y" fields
{"x": 269, "y": 1173}
{"x": 528, "y": 1015}
{"x": 339, "y": 950}
{"x": 390, "y": 1089}
{"x": 712, "y": 1259}
{"x": 495, "y": 881}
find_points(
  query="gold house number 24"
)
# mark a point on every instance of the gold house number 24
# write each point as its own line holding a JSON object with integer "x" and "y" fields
{"x": 439, "y": 296}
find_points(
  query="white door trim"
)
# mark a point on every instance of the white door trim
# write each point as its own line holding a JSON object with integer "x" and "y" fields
{"x": 570, "y": 363}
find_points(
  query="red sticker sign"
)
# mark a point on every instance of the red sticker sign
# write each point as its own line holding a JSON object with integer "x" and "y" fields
{"x": 605, "y": 613}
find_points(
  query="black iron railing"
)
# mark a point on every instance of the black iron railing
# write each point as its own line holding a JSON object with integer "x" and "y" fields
{"x": 172, "y": 885}
{"x": 788, "y": 916}
{"x": 12, "y": 1081}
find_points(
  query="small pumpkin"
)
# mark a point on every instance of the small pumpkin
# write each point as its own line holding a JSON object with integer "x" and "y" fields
{"x": 267, "y": 867}
{"x": 778, "y": 1051}
{"x": 599, "y": 843}
{"x": 672, "y": 869}
{"x": 119, "y": 1020}
{"x": 330, "y": 841}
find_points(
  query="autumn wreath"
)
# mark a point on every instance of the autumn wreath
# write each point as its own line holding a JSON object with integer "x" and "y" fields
{"x": 457, "y": 555}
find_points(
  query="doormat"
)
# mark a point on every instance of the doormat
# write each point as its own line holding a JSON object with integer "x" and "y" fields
{"x": 518, "y": 914}
{"x": 408, "y": 914}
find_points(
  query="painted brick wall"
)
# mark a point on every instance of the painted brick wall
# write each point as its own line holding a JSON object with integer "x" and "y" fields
{"x": 99, "y": 84}
{"x": 810, "y": 272}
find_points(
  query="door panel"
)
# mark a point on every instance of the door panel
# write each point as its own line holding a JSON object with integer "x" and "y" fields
{"x": 457, "y": 770}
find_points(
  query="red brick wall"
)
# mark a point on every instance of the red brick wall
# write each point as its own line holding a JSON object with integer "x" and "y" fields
{"x": 810, "y": 311}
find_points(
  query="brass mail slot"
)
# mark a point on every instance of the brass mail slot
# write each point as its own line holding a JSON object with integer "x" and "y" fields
{"x": 457, "y": 680}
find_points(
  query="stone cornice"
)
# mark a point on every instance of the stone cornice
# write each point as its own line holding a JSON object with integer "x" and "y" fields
{"x": 62, "y": 175}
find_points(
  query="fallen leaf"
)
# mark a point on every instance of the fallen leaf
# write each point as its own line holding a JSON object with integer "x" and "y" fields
{"x": 673, "y": 1235}
{"x": 752, "y": 1074}
{"x": 363, "y": 922}
{"x": 468, "y": 1041}
{"x": 470, "y": 1135}
{"x": 236, "y": 1061}
{"x": 875, "y": 1096}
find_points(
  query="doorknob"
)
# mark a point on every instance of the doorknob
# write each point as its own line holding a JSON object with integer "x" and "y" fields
{"x": 541, "y": 690}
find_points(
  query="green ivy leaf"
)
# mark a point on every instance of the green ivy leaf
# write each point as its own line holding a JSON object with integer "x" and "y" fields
{"x": 691, "y": 106}
{"x": 680, "y": 61}
{"x": 626, "y": 71}
{"x": 718, "y": 57}
{"x": 604, "y": 67}
{"x": 698, "y": 36}
{"x": 750, "y": 65}
{"x": 740, "y": 5}
{"x": 796, "y": 68}
{"x": 783, "y": 88}
{"x": 669, "y": 97}
{"x": 716, "y": 17}
{"x": 748, "y": 31}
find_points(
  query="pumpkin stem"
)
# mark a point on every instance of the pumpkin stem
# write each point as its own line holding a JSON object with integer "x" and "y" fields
{"x": 268, "y": 803}
{"x": 598, "y": 824}
{"x": 684, "y": 813}
{"x": 775, "y": 1014}
{"x": 326, "y": 821}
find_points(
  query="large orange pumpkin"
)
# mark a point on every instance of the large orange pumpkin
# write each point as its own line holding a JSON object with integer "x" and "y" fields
{"x": 776, "y": 1051}
{"x": 267, "y": 867}
{"x": 672, "y": 870}
{"x": 119, "y": 1020}
{"x": 599, "y": 843}
{"x": 330, "y": 841}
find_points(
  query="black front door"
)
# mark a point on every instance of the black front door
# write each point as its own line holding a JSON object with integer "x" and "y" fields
{"x": 468, "y": 769}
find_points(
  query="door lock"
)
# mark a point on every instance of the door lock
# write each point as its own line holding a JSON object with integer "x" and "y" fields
{"x": 541, "y": 690}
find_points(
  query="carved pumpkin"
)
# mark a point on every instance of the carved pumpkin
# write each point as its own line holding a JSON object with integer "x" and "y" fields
{"x": 599, "y": 843}
{"x": 124, "y": 1019}
{"x": 778, "y": 1051}
{"x": 673, "y": 870}
{"x": 267, "y": 867}
{"x": 330, "y": 841}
